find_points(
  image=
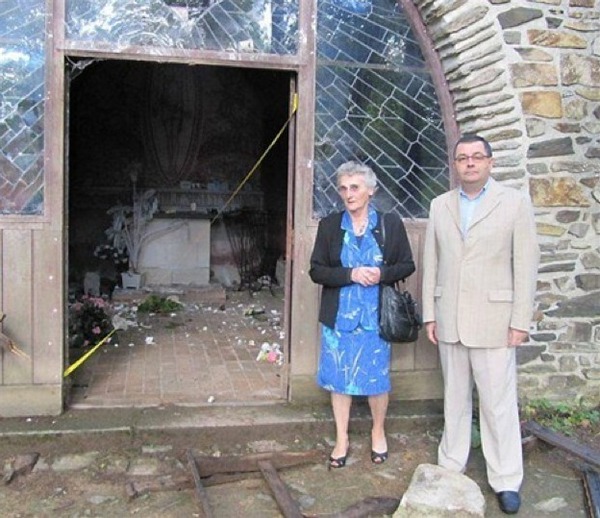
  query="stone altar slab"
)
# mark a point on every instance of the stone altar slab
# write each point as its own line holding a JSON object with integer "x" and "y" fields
{"x": 179, "y": 255}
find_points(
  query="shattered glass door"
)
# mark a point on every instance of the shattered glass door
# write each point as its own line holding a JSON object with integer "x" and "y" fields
{"x": 22, "y": 51}
{"x": 262, "y": 26}
{"x": 376, "y": 103}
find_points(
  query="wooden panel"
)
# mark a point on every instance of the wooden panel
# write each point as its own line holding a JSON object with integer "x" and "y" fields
{"x": 422, "y": 356}
{"x": 17, "y": 303}
{"x": 48, "y": 307}
{"x": 24, "y": 400}
{"x": 1, "y": 302}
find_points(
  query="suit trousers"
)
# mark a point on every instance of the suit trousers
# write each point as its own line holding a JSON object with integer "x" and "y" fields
{"x": 494, "y": 372}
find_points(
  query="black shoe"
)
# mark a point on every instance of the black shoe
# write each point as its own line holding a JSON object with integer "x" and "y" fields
{"x": 378, "y": 458}
{"x": 509, "y": 501}
{"x": 337, "y": 462}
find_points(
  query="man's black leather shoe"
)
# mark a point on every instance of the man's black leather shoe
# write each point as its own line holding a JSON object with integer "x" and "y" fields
{"x": 509, "y": 501}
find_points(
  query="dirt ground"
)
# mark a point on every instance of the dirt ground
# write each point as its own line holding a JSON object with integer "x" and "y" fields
{"x": 552, "y": 487}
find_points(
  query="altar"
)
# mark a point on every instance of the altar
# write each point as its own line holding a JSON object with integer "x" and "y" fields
{"x": 180, "y": 254}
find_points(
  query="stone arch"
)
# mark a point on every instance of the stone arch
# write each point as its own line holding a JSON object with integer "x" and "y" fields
{"x": 468, "y": 41}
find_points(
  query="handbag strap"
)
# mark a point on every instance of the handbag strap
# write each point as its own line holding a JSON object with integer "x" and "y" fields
{"x": 383, "y": 244}
{"x": 383, "y": 233}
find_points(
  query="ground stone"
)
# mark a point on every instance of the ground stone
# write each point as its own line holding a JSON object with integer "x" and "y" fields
{"x": 144, "y": 467}
{"x": 75, "y": 461}
{"x": 552, "y": 505}
{"x": 435, "y": 492}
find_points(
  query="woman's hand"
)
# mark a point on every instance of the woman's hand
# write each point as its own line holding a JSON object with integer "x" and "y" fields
{"x": 366, "y": 275}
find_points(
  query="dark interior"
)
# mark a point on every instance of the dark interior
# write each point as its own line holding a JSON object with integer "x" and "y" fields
{"x": 193, "y": 133}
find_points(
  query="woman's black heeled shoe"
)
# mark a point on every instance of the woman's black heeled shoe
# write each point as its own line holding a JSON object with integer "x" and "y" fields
{"x": 378, "y": 458}
{"x": 337, "y": 462}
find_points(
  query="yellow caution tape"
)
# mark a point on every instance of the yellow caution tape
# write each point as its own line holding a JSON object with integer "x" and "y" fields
{"x": 72, "y": 367}
{"x": 255, "y": 167}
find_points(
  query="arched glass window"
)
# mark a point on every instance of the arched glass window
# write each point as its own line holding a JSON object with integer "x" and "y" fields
{"x": 376, "y": 103}
{"x": 22, "y": 51}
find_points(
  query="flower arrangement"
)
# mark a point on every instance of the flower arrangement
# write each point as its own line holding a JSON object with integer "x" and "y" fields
{"x": 129, "y": 228}
{"x": 89, "y": 320}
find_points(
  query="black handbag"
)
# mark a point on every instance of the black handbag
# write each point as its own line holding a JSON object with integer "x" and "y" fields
{"x": 399, "y": 320}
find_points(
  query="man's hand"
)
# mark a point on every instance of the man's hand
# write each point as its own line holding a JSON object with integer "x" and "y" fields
{"x": 366, "y": 275}
{"x": 516, "y": 337}
{"x": 431, "y": 330}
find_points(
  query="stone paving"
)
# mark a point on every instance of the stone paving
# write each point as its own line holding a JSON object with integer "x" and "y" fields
{"x": 210, "y": 352}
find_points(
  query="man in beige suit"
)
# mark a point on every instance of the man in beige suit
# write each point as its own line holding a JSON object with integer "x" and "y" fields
{"x": 479, "y": 278}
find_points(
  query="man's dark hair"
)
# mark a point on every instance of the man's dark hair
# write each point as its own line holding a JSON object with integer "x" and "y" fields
{"x": 470, "y": 137}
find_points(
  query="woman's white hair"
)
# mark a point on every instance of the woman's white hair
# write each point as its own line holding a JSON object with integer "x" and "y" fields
{"x": 351, "y": 168}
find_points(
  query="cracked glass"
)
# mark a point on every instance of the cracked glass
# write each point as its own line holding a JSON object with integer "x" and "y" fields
{"x": 22, "y": 53}
{"x": 250, "y": 26}
{"x": 376, "y": 103}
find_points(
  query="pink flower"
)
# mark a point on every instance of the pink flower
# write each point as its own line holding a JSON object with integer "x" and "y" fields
{"x": 96, "y": 330}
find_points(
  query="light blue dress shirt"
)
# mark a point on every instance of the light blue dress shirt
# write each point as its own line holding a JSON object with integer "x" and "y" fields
{"x": 468, "y": 206}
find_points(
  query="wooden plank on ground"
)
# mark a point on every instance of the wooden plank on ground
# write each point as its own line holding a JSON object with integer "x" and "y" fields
{"x": 289, "y": 508}
{"x": 591, "y": 486}
{"x": 206, "y": 511}
{"x": 209, "y": 466}
{"x": 581, "y": 451}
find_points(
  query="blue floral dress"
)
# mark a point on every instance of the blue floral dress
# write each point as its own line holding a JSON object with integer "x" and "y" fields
{"x": 354, "y": 359}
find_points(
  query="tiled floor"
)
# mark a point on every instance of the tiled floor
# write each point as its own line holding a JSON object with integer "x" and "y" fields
{"x": 202, "y": 355}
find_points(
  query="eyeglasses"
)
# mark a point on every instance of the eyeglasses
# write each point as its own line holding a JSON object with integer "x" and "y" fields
{"x": 477, "y": 158}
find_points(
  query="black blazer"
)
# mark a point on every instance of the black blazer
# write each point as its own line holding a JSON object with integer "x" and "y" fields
{"x": 326, "y": 265}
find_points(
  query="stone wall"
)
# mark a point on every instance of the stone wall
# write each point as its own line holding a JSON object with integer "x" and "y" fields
{"x": 526, "y": 75}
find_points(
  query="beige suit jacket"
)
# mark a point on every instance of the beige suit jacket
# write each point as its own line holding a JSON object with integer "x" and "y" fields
{"x": 476, "y": 288}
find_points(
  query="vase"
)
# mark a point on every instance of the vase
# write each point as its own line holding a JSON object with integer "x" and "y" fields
{"x": 131, "y": 281}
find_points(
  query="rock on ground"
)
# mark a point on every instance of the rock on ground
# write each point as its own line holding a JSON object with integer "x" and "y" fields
{"x": 435, "y": 492}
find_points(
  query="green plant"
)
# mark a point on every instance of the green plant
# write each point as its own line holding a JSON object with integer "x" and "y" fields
{"x": 563, "y": 417}
{"x": 156, "y": 304}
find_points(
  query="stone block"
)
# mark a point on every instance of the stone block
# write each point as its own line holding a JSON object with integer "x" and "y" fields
{"x": 544, "y": 229}
{"x": 435, "y": 491}
{"x": 518, "y": 16}
{"x": 529, "y": 353}
{"x": 591, "y": 260}
{"x": 557, "y": 39}
{"x": 567, "y": 364}
{"x": 580, "y": 70}
{"x": 542, "y": 104}
{"x": 588, "y": 281}
{"x": 557, "y": 192}
{"x": 592, "y": 374}
{"x": 579, "y": 229}
{"x": 561, "y": 383}
{"x": 533, "y": 74}
{"x": 551, "y": 147}
{"x": 568, "y": 216}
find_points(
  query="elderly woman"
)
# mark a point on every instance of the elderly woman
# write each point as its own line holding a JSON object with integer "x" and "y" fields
{"x": 350, "y": 261}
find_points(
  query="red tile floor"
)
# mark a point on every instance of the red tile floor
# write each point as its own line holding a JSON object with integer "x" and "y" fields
{"x": 205, "y": 354}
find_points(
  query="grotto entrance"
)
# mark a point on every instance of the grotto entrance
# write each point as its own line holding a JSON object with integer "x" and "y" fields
{"x": 185, "y": 143}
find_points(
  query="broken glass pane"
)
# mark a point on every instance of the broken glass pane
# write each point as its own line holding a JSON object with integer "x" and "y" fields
{"x": 264, "y": 26}
{"x": 376, "y": 103}
{"x": 21, "y": 106}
